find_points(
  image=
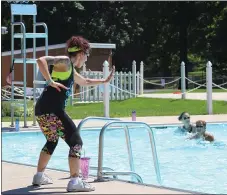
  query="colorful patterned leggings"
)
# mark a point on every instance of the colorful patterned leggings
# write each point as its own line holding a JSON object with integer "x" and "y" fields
{"x": 53, "y": 127}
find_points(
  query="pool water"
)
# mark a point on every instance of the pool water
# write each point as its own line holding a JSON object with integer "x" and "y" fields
{"x": 186, "y": 164}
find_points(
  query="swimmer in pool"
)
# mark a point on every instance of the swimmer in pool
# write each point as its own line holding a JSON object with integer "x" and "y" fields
{"x": 201, "y": 132}
{"x": 188, "y": 126}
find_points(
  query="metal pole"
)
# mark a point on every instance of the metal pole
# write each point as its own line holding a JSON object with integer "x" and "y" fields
{"x": 154, "y": 153}
{"x": 34, "y": 70}
{"x": 129, "y": 147}
{"x": 100, "y": 156}
{"x": 46, "y": 41}
{"x": 12, "y": 59}
{"x": 123, "y": 123}
{"x": 25, "y": 79}
{"x": 22, "y": 42}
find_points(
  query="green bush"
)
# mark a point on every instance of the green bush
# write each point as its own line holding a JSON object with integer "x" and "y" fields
{"x": 18, "y": 111}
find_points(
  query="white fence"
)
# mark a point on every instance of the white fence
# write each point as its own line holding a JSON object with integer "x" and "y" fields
{"x": 128, "y": 85}
{"x": 124, "y": 85}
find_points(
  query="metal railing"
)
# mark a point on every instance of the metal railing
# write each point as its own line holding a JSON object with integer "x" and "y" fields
{"x": 113, "y": 173}
{"x": 84, "y": 121}
{"x": 25, "y": 10}
{"x": 105, "y": 168}
{"x": 117, "y": 123}
{"x": 125, "y": 125}
{"x": 23, "y": 52}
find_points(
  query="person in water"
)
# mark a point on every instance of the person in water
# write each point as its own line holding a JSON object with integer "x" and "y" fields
{"x": 60, "y": 74}
{"x": 187, "y": 125}
{"x": 201, "y": 132}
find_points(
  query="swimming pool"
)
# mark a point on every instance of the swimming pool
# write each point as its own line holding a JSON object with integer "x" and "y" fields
{"x": 190, "y": 165}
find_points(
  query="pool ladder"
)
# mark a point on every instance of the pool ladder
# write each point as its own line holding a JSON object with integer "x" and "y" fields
{"x": 116, "y": 123}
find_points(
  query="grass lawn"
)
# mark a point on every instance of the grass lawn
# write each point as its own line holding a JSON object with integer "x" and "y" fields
{"x": 195, "y": 91}
{"x": 143, "y": 107}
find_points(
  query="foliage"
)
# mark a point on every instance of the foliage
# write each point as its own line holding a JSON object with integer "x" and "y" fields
{"x": 18, "y": 111}
{"x": 160, "y": 33}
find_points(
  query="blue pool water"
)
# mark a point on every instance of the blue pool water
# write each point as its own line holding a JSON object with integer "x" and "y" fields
{"x": 185, "y": 164}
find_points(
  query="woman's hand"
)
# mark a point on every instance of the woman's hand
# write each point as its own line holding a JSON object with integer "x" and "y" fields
{"x": 108, "y": 79}
{"x": 58, "y": 86}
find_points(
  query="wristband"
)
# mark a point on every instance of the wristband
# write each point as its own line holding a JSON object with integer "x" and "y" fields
{"x": 48, "y": 82}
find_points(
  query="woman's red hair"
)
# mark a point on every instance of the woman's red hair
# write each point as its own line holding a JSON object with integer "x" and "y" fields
{"x": 77, "y": 41}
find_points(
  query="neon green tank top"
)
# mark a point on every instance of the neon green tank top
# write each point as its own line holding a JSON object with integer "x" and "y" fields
{"x": 61, "y": 75}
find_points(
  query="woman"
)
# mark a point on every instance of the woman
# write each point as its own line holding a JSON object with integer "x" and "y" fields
{"x": 60, "y": 75}
{"x": 185, "y": 119}
{"x": 201, "y": 132}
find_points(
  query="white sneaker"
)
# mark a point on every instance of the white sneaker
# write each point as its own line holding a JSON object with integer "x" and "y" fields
{"x": 41, "y": 179}
{"x": 80, "y": 186}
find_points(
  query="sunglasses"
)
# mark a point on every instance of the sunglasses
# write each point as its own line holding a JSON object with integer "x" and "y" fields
{"x": 86, "y": 54}
{"x": 200, "y": 126}
{"x": 187, "y": 117}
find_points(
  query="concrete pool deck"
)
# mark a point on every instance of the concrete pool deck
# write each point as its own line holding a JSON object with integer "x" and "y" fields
{"x": 16, "y": 179}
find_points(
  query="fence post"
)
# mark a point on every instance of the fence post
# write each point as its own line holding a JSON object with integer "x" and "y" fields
{"x": 89, "y": 88}
{"x": 183, "y": 80}
{"x": 98, "y": 89}
{"x": 130, "y": 84}
{"x": 125, "y": 86}
{"x": 141, "y": 77}
{"x": 106, "y": 94}
{"x": 72, "y": 95}
{"x": 116, "y": 85}
{"x": 85, "y": 89}
{"x": 81, "y": 91}
{"x": 138, "y": 82}
{"x": 112, "y": 88}
{"x": 120, "y": 83}
{"x": 81, "y": 95}
{"x": 209, "y": 87}
{"x": 95, "y": 88}
{"x": 134, "y": 77}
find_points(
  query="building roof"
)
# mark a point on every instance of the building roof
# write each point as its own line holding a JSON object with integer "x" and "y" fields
{"x": 59, "y": 46}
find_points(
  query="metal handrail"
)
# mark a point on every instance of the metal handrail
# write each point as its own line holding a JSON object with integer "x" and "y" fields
{"x": 129, "y": 147}
{"x": 137, "y": 176}
{"x": 104, "y": 168}
{"x": 23, "y": 43}
{"x": 42, "y": 24}
{"x": 95, "y": 118}
{"x": 19, "y": 23}
{"x": 125, "y": 124}
{"x": 108, "y": 170}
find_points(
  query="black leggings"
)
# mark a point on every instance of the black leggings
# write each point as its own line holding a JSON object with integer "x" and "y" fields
{"x": 61, "y": 125}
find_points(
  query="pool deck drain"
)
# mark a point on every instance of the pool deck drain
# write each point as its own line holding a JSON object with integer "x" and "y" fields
{"x": 16, "y": 179}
